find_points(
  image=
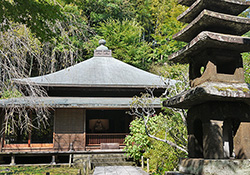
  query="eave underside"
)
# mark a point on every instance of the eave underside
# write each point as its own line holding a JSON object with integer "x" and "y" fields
{"x": 232, "y": 7}
{"x": 214, "y": 22}
{"x": 208, "y": 92}
{"x": 210, "y": 40}
{"x": 72, "y": 102}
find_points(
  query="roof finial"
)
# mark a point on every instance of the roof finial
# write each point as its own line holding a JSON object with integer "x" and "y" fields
{"x": 102, "y": 50}
{"x": 102, "y": 42}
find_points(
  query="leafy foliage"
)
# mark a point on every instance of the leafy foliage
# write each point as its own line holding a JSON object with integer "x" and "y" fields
{"x": 163, "y": 157}
{"x": 10, "y": 94}
{"x": 163, "y": 17}
{"x": 124, "y": 39}
{"x": 33, "y": 13}
{"x": 137, "y": 142}
{"x": 138, "y": 32}
{"x": 246, "y": 60}
{"x": 167, "y": 126}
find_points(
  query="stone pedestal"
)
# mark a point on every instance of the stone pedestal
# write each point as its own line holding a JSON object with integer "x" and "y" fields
{"x": 214, "y": 167}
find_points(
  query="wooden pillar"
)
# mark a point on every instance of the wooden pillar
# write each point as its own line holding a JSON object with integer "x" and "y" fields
{"x": 142, "y": 162}
{"x": 54, "y": 125}
{"x": 53, "y": 161}
{"x": 147, "y": 165}
{"x": 1, "y": 125}
{"x": 29, "y": 139}
{"x": 2, "y": 141}
{"x": 84, "y": 128}
{"x": 12, "y": 162}
{"x": 127, "y": 122}
{"x": 30, "y": 131}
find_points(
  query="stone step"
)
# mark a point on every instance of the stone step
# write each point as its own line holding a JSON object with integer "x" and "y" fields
{"x": 119, "y": 159}
{"x": 99, "y": 155}
{"x": 95, "y": 164}
{"x": 109, "y": 160}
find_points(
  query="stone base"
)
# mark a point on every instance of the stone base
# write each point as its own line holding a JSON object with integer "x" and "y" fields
{"x": 215, "y": 167}
{"x": 110, "y": 146}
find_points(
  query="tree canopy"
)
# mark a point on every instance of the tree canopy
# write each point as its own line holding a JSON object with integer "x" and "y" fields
{"x": 138, "y": 32}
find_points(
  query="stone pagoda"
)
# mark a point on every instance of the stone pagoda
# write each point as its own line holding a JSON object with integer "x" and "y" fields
{"x": 218, "y": 102}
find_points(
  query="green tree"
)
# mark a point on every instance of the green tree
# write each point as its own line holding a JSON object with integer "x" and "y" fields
{"x": 246, "y": 61}
{"x": 163, "y": 157}
{"x": 246, "y": 58}
{"x": 164, "y": 14}
{"x": 98, "y": 11}
{"x": 145, "y": 38}
{"x": 163, "y": 136}
{"x": 124, "y": 39}
{"x": 36, "y": 14}
{"x": 137, "y": 142}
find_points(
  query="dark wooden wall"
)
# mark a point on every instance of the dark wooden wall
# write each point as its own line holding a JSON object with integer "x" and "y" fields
{"x": 69, "y": 128}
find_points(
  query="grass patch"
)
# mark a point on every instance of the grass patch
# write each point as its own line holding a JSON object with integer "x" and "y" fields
{"x": 38, "y": 170}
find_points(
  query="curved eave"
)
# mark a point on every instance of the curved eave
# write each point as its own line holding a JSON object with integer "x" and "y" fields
{"x": 72, "y": 102}
{"x": 210, "y": 91}
{"x": 213, "y": 40}
{"x": 214, "y": 22}
{"x": 95, "y": 85}
{"x": 231, "y": 7}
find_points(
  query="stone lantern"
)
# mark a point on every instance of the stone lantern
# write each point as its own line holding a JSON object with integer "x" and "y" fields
{"x": 218, "y": 101}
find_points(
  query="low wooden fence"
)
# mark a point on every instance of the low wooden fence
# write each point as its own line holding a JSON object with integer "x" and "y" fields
{"x": 98, "y": 138}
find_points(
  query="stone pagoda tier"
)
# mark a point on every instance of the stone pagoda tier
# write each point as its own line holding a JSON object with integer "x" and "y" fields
{"x": 218, "y": 101}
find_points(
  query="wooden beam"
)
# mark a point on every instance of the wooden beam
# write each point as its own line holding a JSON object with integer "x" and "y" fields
{"x": 84, "y": 128}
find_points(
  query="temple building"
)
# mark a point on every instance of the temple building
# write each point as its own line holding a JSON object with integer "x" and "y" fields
{"x": 90, "y": 101}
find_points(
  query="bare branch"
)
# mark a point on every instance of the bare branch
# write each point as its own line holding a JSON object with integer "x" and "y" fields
{"x": 142, "y": 108}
